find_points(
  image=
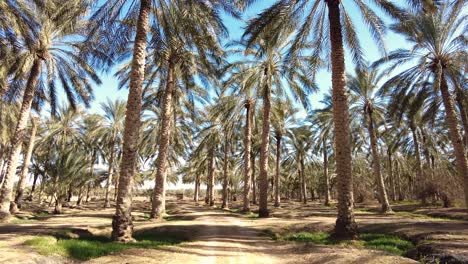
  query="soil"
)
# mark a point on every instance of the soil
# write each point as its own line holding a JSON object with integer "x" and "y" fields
{"x": 221, "y": 236}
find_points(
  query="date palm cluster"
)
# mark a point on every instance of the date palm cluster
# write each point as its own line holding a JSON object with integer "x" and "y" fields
{"x": 234, "y": 116}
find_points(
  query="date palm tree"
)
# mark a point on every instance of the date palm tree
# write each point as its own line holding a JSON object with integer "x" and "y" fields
{"x": 26, "y": 162}
{"x": 107, "y": 19}
{"x": 370, "y": 107}
{"x": 283, "y": 118}
{"x": 271, "y": 71}
{"x": 308, "y": 17}
{"x": 110, "y": 135}
{"x": 300, "y": 139}
{"x": 187, "y": 44}
{"x": 322, "y": 124}
{"x": 239, "y": 83}
{"x": 438, "y": 53}
{"x": 49, "y": 56}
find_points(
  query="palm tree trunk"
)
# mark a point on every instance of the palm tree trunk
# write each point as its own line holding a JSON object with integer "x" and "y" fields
{"x": 325, "y": 173}
{"x": 398, "y": 181}
{"x": 454, "y": 132}
{"x": 391, "y": 176}
{"x": 207, "y": 192}
{"x": 303, "y": 181}
{"x": 159, "y": 195}
{"x": 345, "y": 226}
{"x": 109, "y": 177}
{"x": 211, "y": 177}
{"x": 247, "y": 152}
{"x": 117, "y": 177}
{"x": 264, "y": 152}
{"x": 254, "y": 181}
{"x": 122, "y": 225}
{"x": 25, "y": 169}
{"x": 226, "y": 178}
{"x": 58, "y": 204}
{"x": 278, "y": 173}
{"x": 461, "y": 102}
{"x": 80, "y": 196}
{"x": 2, "y": 163}
{"x": 91, "y": 172}
{"x": 33, "y": 188}
{"x": 17, "y": 142}
{"x": 69, "y": 194}
{"x": 376, "y": 166}
{"x": 88, "y": 191}
{"x": 417, "y": 153}
{"x": 196, "y": 191}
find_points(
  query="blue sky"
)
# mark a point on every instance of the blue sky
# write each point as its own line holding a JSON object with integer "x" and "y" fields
{"x": 108, "y": 89}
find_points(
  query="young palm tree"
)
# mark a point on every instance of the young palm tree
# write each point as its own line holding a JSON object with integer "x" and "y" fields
{"x": 309, "y": 16}
{"x": 438, "y": 54}
{"x": 370, "y": 107}
{"x": 53, "y": 45}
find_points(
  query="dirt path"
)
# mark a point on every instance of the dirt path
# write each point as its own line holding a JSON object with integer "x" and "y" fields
{"x": 215, "y": 236}
{"x": 224, "y": 238}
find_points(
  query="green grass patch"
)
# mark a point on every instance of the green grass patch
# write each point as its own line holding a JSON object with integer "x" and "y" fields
{"x": 388, "y": 243}
{"x": 21, "y": 221}
{"x": 41, "y": 215}
{"x": 251, "y": 216}
{"x": 85, "y": 249}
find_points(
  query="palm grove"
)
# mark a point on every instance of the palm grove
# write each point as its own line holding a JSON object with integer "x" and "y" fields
{"x": 222, "y": 112}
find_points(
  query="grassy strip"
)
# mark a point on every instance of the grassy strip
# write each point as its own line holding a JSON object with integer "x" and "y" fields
{"x": 251, "y": 216}
{"x": 85, "y": 249}
{"x": 388, "y": 243}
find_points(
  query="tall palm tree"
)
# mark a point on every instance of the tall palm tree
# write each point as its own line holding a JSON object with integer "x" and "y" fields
{"x": 25, "y": 169}
{"x": 65, "y": 159}
{"x": 110, "y": 135}
{"x": 283, "y": 117}
{"x": 53, "y": 45}
{"x": 300, "y": 140}
{"x": 439, "y": 54}
{"x": 272, "y": 72}
{"x": 322, "y": 123}
{"x": 183, "y": 29}
{"x": 309, "y": 16}
{"x": 245, "y": 87}
{"x": 107, "y": 19}
{"x": 226, "y": 112}
{"x": 409, "y": 107}
{"x": 370, "y": 107}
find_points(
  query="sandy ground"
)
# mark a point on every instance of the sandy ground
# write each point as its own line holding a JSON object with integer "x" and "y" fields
{"x": 219, "y": 236}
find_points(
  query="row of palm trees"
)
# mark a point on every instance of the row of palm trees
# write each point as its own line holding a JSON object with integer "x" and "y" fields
{"x": 173, "y": 53}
